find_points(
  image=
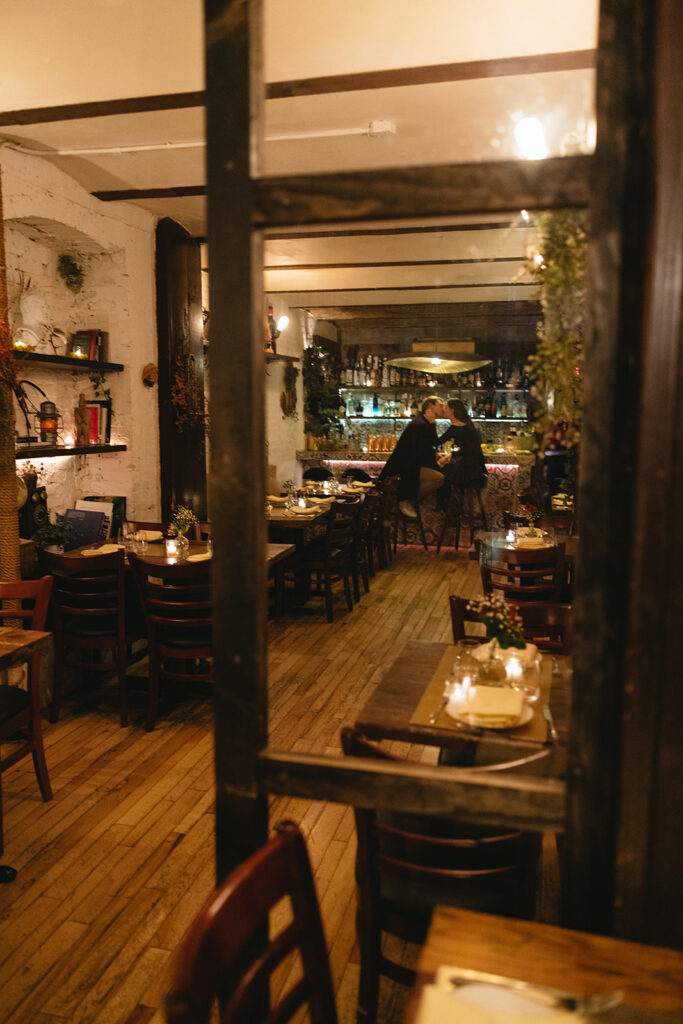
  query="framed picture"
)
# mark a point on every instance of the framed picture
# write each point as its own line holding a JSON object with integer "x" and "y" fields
{"x": 99, "y": 410}
{"x": 87, "y": 344}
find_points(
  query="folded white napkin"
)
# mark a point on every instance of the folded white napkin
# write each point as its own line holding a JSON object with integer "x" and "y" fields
{"x": 493, "y": 702}
{"x": 275, "y": 499}
{"x": 486, "y": 1004}
{"x": 106, "y": 549}
{"x": 299, "y": 511}
{"x": 533, "y": 542}
{"x": 202, "y": 556}
{"x": 150, "y": 535}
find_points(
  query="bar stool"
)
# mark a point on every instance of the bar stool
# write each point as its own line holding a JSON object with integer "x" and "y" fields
{"x": 465, "y": 506}
{"x": 404, "y": 520}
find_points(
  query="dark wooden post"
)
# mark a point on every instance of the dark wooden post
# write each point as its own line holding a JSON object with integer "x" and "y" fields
{"x": 237, "y": 491}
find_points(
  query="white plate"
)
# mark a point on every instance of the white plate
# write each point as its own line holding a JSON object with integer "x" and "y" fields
{"x": 525, "y": 655}
{"x": 467, "y": 718}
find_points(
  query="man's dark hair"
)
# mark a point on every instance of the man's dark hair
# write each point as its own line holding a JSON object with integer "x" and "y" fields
{"x": 432, "y": 400}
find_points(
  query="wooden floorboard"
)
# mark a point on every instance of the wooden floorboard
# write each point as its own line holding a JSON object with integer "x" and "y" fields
{"x": 113, "y": 870}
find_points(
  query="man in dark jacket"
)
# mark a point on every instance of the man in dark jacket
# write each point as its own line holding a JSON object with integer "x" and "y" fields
{"x": 414, "y": 458}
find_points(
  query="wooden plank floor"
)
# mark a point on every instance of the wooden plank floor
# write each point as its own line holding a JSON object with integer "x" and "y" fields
{"x": 112, "y": 871}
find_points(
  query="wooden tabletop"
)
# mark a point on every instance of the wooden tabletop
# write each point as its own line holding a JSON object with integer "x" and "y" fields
{"x": 292, "y": 520}
{"x": 16, "y": 644}
{"x": 277, "y": 552}
{"x": 390, "y": 708}
{"x": 497, "y": 540}
{"x": 650, "y": 977}
{"x": 156, "y": 552}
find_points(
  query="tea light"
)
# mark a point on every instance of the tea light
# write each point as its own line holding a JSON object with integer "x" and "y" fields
{"x": 302, "y": 503}
{"x": 510, "y": 536}
{"x": 171, "y": 545}
{"x": 513, "y": 668}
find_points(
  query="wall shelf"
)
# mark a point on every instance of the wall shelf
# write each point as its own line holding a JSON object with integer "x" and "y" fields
{"x": 55, "y": 362}
{"x": 53, "y": 451}
{"x": 275, "y": 358}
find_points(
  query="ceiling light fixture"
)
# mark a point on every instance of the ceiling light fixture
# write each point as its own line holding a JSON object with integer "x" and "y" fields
{"x": 454, "y": 356}
{"x": 530, "y": 138}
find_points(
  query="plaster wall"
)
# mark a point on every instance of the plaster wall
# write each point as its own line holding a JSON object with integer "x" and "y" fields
{"x": 46, "y": 214}
{"x": 285, "y": 435}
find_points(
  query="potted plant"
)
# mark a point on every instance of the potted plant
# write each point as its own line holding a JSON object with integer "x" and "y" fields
{"x": 182, "y": 518}
{"x": 54, "y": 535}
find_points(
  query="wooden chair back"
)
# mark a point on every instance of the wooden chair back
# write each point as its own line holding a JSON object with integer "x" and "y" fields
{"x": 461, "y": 616}
{"x": 133, "y": 525}
{"x": 406, "y": 864}
{"x": 27, "y": 602}
{"x": 523, "y": 574}
{"x": 228, "y": 956}
{"x": 177, "y": 604}
{"x": 88, "y": 600}
{"x": 341, "y": 527}
{"x": 202, "y": 531}
{"x": 549, "y": 626}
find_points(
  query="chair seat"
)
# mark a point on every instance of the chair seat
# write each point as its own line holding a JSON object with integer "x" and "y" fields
{"x": 315, "y": 551}
{"x": 199, "y": 638}
{"x": 13, "y": 701}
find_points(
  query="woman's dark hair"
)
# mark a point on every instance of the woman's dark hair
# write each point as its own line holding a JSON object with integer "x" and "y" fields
{"x": 460, "y": 412}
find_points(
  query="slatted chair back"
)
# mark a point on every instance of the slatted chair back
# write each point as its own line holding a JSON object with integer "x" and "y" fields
{"x": 88, "y": 599}
{"x": 131, "y": 526}
{"x": 177, "y": 604}
{"x": 512, "y": 519}
{"x": 461, "y": 617}
{"x": 406, "y": 864}
{"x": 24, "y": 602}
{"x": 222, "y": 958}
{"x": 523, "y": 574}
{"x": 202, "y": 530}
{"x": 549, "y": 626}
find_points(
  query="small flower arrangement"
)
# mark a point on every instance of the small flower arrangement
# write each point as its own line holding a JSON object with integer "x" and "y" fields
{"x": 503, "y": 624}
{"x": 182, "y": 519}
{"x": 55, "y": 533}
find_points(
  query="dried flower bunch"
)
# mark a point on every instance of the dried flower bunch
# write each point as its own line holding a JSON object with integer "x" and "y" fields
{"x": 501, "y": 619}
{"x": 182, "y": 519}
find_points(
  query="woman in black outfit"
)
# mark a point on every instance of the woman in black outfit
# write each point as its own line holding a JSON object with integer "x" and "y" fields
{"x": 466, "y": 467}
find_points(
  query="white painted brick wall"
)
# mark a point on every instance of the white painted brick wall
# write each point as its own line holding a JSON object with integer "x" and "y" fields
{"x": 47, "y": 213}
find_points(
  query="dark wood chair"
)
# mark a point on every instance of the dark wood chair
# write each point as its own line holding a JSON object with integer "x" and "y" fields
{"x": 318, "y": 474}
{"x": 330, "y": 557}
{"x": 407, "y": 864}
{"x": 88, "y": 600}
{"x": 461, "y": 616}
{"x": 362, "y": 547}
{"x": 549, "y": 626}
{"x": 403, "y": 521}
{"x": 202, "y": 531}
{"x": 19, "y": 708}
{"x": 523, "y": 574}
{"x": 465, "y": 508}
{"x": 385, "y": 526}
{"x": 219, "y": 959}
{"x": 177, "y": 604}
{"x": 133, "y": 525}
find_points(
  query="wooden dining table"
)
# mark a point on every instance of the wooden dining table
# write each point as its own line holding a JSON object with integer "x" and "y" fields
{"x": 411, "y": 691}
{"x": 649, "y": 977}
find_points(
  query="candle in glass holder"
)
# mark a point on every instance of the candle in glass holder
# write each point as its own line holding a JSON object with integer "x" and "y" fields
{"x": 513, "y": 668}
{"x": 171, "y": 545}
{"x": 510, "y": 536}
{"x": 302, "y": 503}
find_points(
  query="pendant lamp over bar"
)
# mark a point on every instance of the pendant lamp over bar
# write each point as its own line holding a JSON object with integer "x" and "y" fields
{"x": 441, "y": 356}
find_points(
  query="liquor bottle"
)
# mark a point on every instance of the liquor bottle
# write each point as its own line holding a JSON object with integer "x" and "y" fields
{"x": 500, "y": 381}
{"x": 342, "y": 407}
{"x": 525, "y": 378}
{"x": 385, "y": 374}
{"x": 348, "y": 373}
{"x": 375, "y": 404}
{"x": 503, "y": 407}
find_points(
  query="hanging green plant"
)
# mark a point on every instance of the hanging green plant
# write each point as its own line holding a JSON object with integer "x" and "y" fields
{"x": 557, "y": 366}
{"x": 321, "y": 390}
{"x": 288, "y": 396}
{"x": 70, "y": 272}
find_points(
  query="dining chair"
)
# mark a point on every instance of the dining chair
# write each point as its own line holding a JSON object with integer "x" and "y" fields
{"x": 330, "y": 557}
{"x": 407, "y": 864}
{"x": 177, "y": 605}
{"x": 523, "y": 574}
{"x": 227, "y": 955}
{"x": 318, "y": 474}
{"x": 385, "y": 525}
{"x": 461, "y": 617}
{"x": 361, "y": 551}
{"x": 88, "y": 600}
{"x": 202, "y": 531}
{"x": 133, "y": 525}
{"x": 549, "y": 626}
{"x": 28, "y": 602}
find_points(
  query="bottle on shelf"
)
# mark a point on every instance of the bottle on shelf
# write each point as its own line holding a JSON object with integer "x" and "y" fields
{"x": 375, "y": 404}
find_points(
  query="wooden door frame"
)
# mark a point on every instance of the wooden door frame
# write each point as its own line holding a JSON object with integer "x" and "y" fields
{"x": 239, "y": 208}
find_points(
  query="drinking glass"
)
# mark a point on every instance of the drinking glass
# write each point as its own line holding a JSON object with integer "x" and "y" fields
{"x": 528, "y": 682}
{"x": 140, "y": 544}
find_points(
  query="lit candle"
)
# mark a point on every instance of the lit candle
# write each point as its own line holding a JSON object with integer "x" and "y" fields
{"x": 302, "y": 503}
{"x": 513, "y": 668}
{"x": 510, "y": 536}
{"x": 171, "y": 545}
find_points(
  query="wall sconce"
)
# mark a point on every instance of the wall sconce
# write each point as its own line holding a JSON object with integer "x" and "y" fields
{"x": 274, "y": 329}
